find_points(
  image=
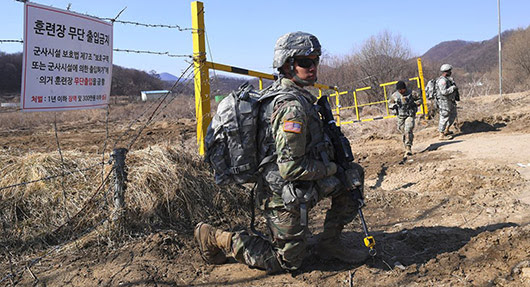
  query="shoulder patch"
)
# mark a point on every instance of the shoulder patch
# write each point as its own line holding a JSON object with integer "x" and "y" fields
{"x": 292, "y": 127}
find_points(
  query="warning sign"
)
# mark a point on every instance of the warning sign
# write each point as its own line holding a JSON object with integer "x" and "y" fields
{"x": 67, "y": 61}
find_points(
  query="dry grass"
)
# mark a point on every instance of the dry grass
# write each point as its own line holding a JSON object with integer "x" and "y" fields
{"x": 29, "y": 210}
{"x": 182, "y": 106}
{"x": 168, "y": 187}
{"x": 381, "y": 129}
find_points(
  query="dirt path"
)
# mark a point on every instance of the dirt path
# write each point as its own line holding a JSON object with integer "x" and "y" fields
{"x": 512, "y": 150}
{"x": 456, "y": 213}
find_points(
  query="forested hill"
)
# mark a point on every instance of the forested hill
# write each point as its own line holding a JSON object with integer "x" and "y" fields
{"x": 470, "y": 56}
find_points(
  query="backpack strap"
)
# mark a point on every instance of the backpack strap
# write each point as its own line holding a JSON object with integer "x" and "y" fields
{"x": 275, "y": 95}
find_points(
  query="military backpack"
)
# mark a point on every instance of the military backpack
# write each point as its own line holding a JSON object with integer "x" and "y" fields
{"x": 430, "y": 90}
{"x": 232, "y": 137}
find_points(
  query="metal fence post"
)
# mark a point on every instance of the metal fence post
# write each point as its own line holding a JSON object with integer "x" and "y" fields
{"x": 422, "y": 84}
{"x": 201, "y": 79}
{"x": 120, "y": 179}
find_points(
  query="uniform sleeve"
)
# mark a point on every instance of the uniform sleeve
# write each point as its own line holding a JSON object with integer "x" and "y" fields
{"x": 417, "y": 98}
{"x": 289, "y": 127}
{"x": 442, "y": 87}
{"x": 392, "y": 102}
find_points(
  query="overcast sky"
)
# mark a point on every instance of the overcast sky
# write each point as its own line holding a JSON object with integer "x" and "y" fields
{"x": 242, "y": 33}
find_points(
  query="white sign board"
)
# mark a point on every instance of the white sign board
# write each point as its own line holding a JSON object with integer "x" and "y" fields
{"x": 67, "y": 61}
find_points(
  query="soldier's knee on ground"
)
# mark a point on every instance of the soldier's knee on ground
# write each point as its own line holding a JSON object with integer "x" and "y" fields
{"x": 292, "y": 253}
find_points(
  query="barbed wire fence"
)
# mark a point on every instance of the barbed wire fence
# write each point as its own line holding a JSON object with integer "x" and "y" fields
{"x": 64, "y": 234}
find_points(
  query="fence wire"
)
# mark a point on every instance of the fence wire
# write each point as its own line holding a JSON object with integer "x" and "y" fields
{"x": 151, "y": 117}
{"x": 166, "y": 53}
{"x": 11, "y": 41}
{"x": 89, "y": 203}
{"x": 191, "y": 75}
{"x": 66, "y": 229}
{"x": 71, "y": 172}
{"x": 153, "y": 52}
{"x": 149, "y": 25}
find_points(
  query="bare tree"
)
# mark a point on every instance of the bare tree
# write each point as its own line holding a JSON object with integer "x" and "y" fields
{"x": 384, "y": 57}
{"x": 516, "y": 59}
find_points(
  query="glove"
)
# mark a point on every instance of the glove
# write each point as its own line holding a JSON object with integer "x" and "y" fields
{"x": 331, "y": 168}
{"x": 353, "y": 178}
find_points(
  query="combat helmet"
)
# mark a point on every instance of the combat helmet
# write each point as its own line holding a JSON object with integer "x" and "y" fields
{"x": 445, "y": 68}
{"x": 295, "y": 44}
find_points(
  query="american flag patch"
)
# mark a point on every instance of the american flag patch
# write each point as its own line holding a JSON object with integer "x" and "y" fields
{"x": 292, "y": 127}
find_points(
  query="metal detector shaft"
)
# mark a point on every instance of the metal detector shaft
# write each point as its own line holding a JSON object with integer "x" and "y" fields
{"x": 369, "y": 241}
{"x": 363, "y": 222}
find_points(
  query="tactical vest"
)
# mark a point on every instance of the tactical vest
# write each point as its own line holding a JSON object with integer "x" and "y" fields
{"x": 406, "y": 106}
{"x": 317, "y": 141}
{"x": 447, "y": 102}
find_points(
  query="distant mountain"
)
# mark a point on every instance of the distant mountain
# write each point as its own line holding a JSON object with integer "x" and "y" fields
{"x": 167, "y": 77}
{"x": 470, "y": 56}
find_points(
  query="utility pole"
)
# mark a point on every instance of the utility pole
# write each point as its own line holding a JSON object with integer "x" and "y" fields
{"x": 500, "y": 48}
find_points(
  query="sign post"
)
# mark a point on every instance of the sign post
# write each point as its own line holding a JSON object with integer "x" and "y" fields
{"x": 67, "y": 61}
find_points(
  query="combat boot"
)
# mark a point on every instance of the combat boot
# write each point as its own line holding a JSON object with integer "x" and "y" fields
{"x": 214, "y": 244}
{"x": 445, "y": 137}
{"x": 408, "y": 150}
{"x": 333, "y": 248}
{"x": 447, "y": 131}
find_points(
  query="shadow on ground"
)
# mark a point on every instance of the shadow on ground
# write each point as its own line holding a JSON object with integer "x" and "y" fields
{"x": 435, "y": 146}
{"x": 479, "y": 127}
{"x": 408, "y": 246}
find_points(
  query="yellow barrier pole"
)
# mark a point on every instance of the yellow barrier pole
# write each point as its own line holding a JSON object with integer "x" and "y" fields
{"x": 201, "y": 79}
{"x": 355, "y": 98}
{"x": 337, "y": 104}
{"x": 260, "y": 83}
{"x": 356, "y": 106}
{"x": 386, "y": 102}
{"x": 422, "y": 82}
{"x": 417, "y": 79}
{"x": 386, "y": 99}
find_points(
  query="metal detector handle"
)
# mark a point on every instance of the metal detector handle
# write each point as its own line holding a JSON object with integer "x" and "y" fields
{"x": 369, "y": 240}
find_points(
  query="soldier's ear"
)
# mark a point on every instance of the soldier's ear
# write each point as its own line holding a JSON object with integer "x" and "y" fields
{"x": 286, "y": 70}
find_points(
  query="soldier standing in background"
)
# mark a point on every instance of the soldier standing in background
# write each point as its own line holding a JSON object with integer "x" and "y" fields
{"x": 448, "y": 95}
{"x": 404, "y": 103}
{"x": 300, "y": 171}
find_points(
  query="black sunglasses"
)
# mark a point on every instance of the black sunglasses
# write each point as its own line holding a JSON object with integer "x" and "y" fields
{"x": 307, "y": 62}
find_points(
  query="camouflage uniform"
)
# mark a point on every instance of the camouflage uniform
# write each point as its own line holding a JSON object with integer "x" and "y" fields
{"x": 447, "y": 97}
{"x": 298, "y": 140}
{"x": 405, "y": 107}
{"x": 296, "y": 171}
